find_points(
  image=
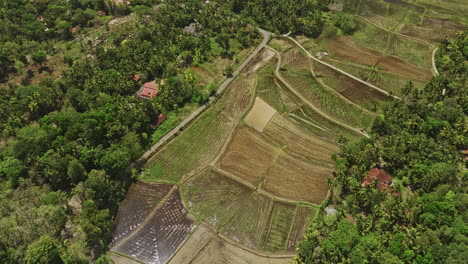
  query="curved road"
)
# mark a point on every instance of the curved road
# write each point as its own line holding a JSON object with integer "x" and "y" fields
{"x": 266, "y": 38}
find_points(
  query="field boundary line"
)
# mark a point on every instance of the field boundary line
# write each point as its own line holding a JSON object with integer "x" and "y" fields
{"x": 337, "y": 93}
{"x": 147, "y": 218}
{"x": 238, "y": 245}
{"x": 396, "y": 33}
{"x": 153, "y": 149}
{"x": 312, "y": 106}
{"x": 259, "y": 189}
{"x": 340, "y": 70}
{"x": 126, "y": 256}
{"x": 384, "y": 72}
{"x": 434, "y": 66}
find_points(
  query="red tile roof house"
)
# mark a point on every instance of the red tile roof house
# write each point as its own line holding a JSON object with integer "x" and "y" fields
{"x": 384, "y": 180}
{"x": 148, "y": 90}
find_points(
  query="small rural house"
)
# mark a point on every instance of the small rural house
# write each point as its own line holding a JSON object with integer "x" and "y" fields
{"x": 148, "y": 90}
{"x": 384, "y": 179}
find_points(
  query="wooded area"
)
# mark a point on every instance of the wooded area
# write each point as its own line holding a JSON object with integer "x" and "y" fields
{"x": 68, "y": 139}
{"x": 420, "y": 141}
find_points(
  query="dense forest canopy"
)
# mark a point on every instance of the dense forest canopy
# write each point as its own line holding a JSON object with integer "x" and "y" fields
{"x": 67, "y": 139}
{"x": 418, "y": 141}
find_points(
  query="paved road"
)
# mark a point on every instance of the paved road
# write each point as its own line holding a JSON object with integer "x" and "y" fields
{"x": 341, "y": 71}
{"x": 266, "y": 38}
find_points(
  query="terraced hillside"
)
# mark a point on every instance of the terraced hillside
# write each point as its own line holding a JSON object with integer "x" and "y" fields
{"x": 252, "y": 169}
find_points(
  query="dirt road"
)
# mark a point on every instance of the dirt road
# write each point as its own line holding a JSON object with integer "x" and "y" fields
{"x": 339, "y": 70}
{"x": 266, "y": 38}
{"x": 312, "y": 106}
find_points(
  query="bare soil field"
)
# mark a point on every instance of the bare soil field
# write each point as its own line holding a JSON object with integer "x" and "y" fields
{"x": 299, "y": 141}
{"x": 348, "y": 49}
{"x": 161, "y": 235}
{"x": 260, "y": 115}
{"x": 249, "y": 156}
{"x": 252, "y": 158}
{"x": 204, "y": 246}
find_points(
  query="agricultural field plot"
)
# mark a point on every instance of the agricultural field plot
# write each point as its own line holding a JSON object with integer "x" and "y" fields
{"x": 260, "y": 115}
{"x": 345, "y": 48}
{"x": 161, "y": 235}
{"x": 275, "y": 238}
{"x": 390, "y": 82}
{"x": 221, "y": 201}
{"x": 302, "y": 221}
{"x": 244, "y": 215}
{"x": 141, "y": 199}
{"x": 196, "y": 147}
{"x": 429, "y": 20}
{"x": 297, "y": 180}
{"x": 204, "y": 246}
{"x": 271, "y": 91}
{"x": 274, "y": 167}
{"x": 299, "y": 141}
{"x": 411, "y": 51}
{"x": 353, "y": 90}
{"x": 307, "y": 86}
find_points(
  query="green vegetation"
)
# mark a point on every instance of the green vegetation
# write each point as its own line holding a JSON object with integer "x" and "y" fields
{"x": 68, "y": 116}
{"x": 422, "y": 218}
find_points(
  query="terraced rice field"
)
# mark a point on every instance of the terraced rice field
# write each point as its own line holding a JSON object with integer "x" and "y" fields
{"x": 204, "y": 246}
{"x": 200, "y": 143}
{"x": 160, "y": 235}
{"x": 353, "y": 90}
{"x": 141, "y": 199}
{"x": 388, "y": 81}
{"x": 244, "y": 215}
{"x": 303, "y": 81}
{"x": 278, "y": 168}
{"x": 430, "y": 20}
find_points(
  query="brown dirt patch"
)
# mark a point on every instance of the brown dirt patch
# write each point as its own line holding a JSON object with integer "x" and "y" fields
{"x": 248, "y": 156}
{"x": 260, "y": 114}
{"x": 294, "y": 179}
{"x": 252, "y": 158}
{"x": 346, "y": 47}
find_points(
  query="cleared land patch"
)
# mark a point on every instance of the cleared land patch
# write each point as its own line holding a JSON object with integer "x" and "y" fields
{"x": 161, "y": 235}
{"x": 260, "y": 115}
